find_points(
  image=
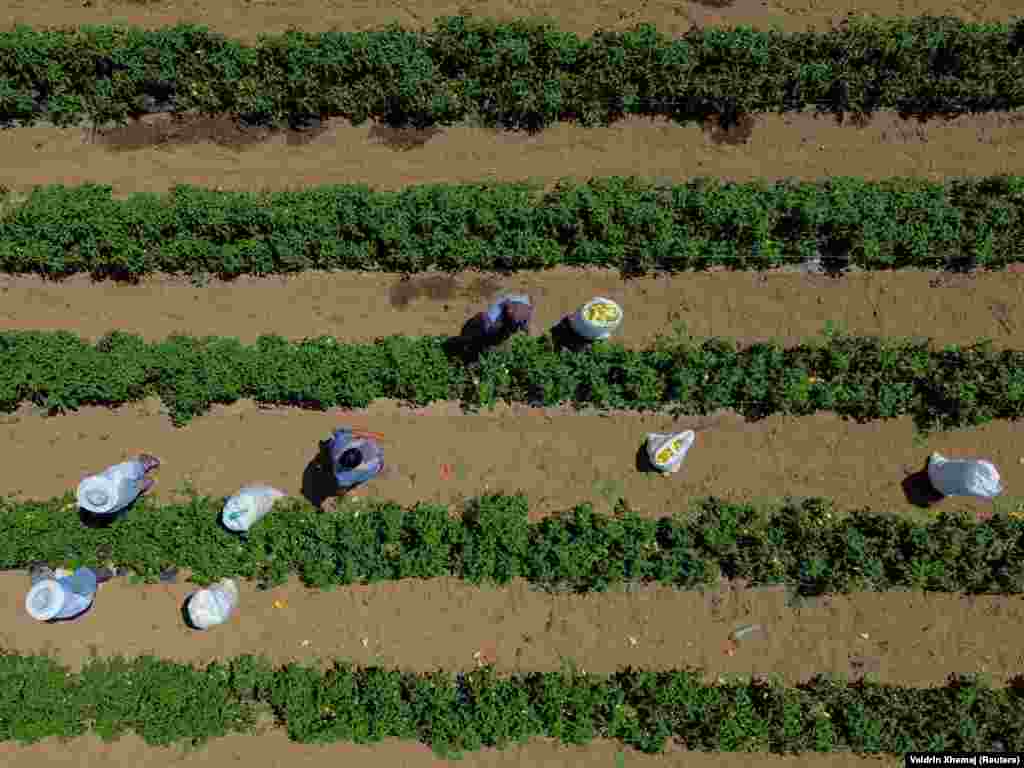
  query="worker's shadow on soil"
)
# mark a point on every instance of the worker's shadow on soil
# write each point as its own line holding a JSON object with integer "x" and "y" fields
{"x": 90, "y": 520}
{"x": 643, "y": 461}
{"x": 919, "y": 491}
{"x": 564, "y": 337}
{"x": 469, "y": 344}
{"x": 318, "y": 483}
{"x": 76, "y": 617}
{"x": 184, "y": 614}
{"x": 472, "y": 341}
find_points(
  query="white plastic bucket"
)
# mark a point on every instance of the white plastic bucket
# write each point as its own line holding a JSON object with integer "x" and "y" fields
{"x": 964, "y": 477}
{"x": 666, "y": 451}
{"x": 113, "y": 489}
{"x": 592, "y": 328}
{"x": 213, "y": 605}
{"x": 249, "y": 506}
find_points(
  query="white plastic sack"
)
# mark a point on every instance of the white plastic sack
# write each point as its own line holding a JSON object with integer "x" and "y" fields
{"x": 249, "y": 506}
{"x": 213, "y": 605}
{"x": 667, "y": 450}
{"x": 113, "y": 489}
{"x": 964, "y": 477}
{"x": 597, "y": 319}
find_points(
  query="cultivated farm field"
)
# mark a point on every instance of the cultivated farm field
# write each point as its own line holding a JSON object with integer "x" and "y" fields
{"x": 557, "y": 456}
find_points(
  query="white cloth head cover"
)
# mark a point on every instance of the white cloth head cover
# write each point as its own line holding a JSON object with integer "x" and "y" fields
{"x": 98, "y": 494}
{"x": 45, "y": 600}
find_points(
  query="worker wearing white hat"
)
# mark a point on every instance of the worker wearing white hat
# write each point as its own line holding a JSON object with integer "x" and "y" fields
{"x": 118, "y": 486}
{"x": 61, "y": 595}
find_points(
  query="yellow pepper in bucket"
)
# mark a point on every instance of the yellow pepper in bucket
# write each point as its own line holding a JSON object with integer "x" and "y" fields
{"x": 602, "y": 313}
{"x": 667, "y": 451}
{"x": 665, "y": 454}
{"x": 596, "y": 319}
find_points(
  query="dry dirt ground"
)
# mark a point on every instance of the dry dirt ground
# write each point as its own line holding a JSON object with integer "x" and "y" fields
{"x": 273, "y": 750}
{"x": 898, "y": 638}
{"x": 159, "y": 151}
{"x": 246, "y": 19}
{"x": 786, "y": 306}
{"x": 557, "y": 457}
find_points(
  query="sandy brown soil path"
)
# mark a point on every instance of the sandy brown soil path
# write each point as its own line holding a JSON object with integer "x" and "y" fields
{"x": 900, "y": 637}
{"x": 157, "y": 153}
{"x": 557, "y": 457}
{"x": 245, "y": 20}
{"x": 273, "y": 750}
{"x": 784, "y": 306}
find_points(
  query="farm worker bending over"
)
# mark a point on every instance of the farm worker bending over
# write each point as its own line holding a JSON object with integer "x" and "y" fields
{"x": 506, "y": 315}
{"x": 352, "y": 459}
{"x": 60, "y": 594}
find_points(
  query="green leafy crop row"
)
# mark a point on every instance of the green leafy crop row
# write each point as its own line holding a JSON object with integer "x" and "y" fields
{"x": 806, "y": 545}
{"x": 166, "y": 702}
{"x": 861, "y": 377}
{"x": 520, "y": 74}
{"x": 621, "y": 223}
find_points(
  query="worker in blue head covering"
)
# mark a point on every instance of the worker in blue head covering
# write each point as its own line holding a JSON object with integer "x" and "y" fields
{"x": 509, "y": 314}
{"x": 353, "y": 458}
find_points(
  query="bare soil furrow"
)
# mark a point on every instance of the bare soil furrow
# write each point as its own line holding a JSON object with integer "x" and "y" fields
{"x": 900, "y": 637}
{"x": 787, "y": 306}
{"x": 556, "y": 456}
{"x": 246, "y": 20}
{"x": 159, "y": 151}
{"x": 274, "y": 750}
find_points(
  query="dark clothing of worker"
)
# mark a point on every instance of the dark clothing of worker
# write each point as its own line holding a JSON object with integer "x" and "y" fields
{"x": 352, "y": 460}
{"x": 508, "y": 315}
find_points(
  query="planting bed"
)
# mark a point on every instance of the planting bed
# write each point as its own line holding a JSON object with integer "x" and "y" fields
{"x": 556, "y": 456}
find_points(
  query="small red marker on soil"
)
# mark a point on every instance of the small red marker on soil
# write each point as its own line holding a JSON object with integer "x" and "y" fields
{"x": 446, "y": 472}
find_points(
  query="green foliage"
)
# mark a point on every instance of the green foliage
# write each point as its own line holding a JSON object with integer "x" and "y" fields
{"x": 621, "y": 223}
{"x": 523, "y": 74}
{"x": 801, "y": 543}
{"x": 166, "y": 702}
{"x": 864, "y": 378}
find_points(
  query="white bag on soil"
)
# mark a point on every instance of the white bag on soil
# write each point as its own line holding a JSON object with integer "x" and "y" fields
{"x": 960, "y": 477}
{"x": 213, "y": 605}
{"x": 249, "y": 506}
{"x": 667, "y": 451}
